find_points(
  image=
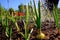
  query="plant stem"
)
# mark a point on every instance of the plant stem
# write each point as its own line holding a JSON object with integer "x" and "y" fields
{"x": 30, "y": 34}
{"x": 6, "y": 26}
{"x": 10, "y": 31}
{"x": 39, "y": 14}
{"x": 17, "y": 27}
{"x": 26, "y": 22}
{"x": 26, "y": 32}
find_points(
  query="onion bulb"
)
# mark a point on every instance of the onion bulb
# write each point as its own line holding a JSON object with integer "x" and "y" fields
{"x": 40, "y": 35}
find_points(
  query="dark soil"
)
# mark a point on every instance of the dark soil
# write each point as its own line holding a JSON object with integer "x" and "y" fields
{"x": 50, "y": 31}
{"x": 48, "y": 28}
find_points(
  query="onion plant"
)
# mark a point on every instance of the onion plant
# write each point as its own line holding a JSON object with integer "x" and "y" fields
{"x": 26, "y": 22}
{"x": 10, "y": 30}
{"x": 55, "y": 14}
{"x": 12, "y": 19}
{"x": 38, "y": 20}
{"x": 38, "y": 15}
{"x": 32, "y": 17}
{"x": 6, "y": 19}
{"x": 8, "y": 27}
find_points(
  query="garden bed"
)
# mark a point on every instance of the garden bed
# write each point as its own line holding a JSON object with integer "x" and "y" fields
{"x": 48, "y": 28}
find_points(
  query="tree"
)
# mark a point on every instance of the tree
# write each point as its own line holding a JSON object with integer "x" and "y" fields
{"x": 50, "y": 4}
{"x": 11, "y": 10}
{"x": 20, "y": 8}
